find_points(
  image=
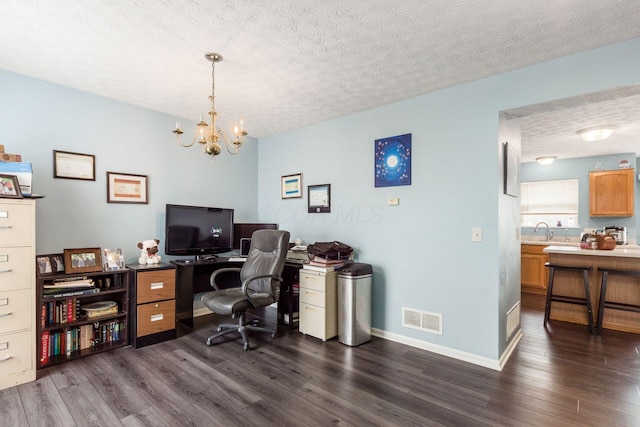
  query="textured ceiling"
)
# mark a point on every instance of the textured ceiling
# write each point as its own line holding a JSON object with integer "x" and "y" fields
{"x": 288, "y": 64}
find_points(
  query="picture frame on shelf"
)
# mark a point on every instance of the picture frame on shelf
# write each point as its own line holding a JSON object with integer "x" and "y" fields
{"x": 127, "y": 188}
{"x": 319, "y": 198}
{"x": 70, "y": 165}
{"x": 49, "y": 264}
{"x": 10, "y": 187}
{"x": 84, "y": 260}
{"x": 291, "y": 186}
{"x": 112, "y": 259}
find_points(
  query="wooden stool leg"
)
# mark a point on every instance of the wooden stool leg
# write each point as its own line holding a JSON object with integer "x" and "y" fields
{"x": 603, "y": 296}
{"x": 587, "y": 294}
{"x": 547, "y": 307}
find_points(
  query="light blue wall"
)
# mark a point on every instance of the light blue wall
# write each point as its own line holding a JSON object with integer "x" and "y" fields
{"x": 37, "y": 117}
{"x": 579, "y": 169}
{"x": 422, "y": 250}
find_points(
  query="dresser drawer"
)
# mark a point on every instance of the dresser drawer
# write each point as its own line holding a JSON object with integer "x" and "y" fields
{"x": 16, "y": 310}
{"x": 156, "y": 285}
{"x": 156, "y": 317}
{"x": 16, "y": 224}
{"x": 16, "y": 353}
{"x": 312, "y": 321}
{"x": 17, "y": 268}
{"x": 313, "y": 297}
{"x": 313, "y": 281}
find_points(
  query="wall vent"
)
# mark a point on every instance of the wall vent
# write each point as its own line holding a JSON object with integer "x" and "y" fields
{"x": 423, "y": 320}
{"x": 513, "y": 319}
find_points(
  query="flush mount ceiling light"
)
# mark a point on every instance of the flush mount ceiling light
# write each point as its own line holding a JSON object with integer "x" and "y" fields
{"x": 547, "y": 160}
{"x": 596, "y": 133}
{"x": 209, "y": 137}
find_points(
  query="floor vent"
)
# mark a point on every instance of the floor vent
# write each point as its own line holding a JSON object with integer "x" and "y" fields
{"x": 425, "y": 321}
{"x": 513, "y": 319}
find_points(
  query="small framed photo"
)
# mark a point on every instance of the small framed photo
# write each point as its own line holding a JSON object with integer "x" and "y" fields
{"x": 9, "y": 187}
{"x": 112, "y": 259}
{"x": 50, "y": 264}
{"x": 74, "y": 165}
{"x": 84, "y": 260}
{"x": 291, "y": 186}
{"x": 319, "y": 198}
{"x": 127, "y": 188}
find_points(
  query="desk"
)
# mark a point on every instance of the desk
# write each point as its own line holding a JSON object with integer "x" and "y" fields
{"x": 192, "y": 277}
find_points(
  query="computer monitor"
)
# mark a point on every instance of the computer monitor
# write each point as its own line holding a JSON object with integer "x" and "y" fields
{"x": 245, "y": 231}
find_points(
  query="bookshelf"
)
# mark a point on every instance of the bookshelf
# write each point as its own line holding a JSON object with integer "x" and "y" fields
{"x": 67, "y": 332}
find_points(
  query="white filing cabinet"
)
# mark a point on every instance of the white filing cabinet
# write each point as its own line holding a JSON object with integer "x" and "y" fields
{"x": 17, "y": 292}
{"x": 318, "y": 304}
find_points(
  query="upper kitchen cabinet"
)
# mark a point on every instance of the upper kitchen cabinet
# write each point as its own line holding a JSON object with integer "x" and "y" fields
{"x": 611, "y": 193}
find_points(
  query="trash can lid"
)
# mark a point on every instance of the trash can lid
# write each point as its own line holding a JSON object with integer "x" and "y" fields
{"x": 355, "y": 269}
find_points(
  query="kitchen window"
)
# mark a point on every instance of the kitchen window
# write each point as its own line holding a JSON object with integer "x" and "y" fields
{"x": 553, "y": 202}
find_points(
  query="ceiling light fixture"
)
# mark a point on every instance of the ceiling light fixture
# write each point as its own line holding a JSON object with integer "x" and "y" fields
{"x": 209, "y": 137}
{"x": 596, "y": 133}
{"x": 547, "y": 160}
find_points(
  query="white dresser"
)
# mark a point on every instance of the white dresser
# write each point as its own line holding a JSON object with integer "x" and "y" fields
{"x": 318, "y": 304}
{"x": 17, "y": 292}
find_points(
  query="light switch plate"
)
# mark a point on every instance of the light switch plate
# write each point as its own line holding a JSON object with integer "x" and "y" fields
{"x": 476, "y": 234}
{"x": 393, "y": 201}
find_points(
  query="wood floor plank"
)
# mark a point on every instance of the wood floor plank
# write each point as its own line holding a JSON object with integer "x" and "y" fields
{"x": 11, "y": 410}
{"x": 87, "y": 407}
{"x": 43, "y": 404}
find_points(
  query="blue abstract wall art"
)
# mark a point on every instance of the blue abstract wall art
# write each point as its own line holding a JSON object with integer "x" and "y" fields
{"x": 393, "y": 161}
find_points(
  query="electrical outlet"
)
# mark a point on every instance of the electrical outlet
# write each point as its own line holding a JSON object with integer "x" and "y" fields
{"x": 476, "y": 234}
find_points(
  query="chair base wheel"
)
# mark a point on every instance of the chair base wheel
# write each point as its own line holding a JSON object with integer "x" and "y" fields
{"x": 208, "y": 343}
{"x": 246, "y": 347}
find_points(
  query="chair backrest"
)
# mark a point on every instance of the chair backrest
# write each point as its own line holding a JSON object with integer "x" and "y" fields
{"x": 267, "y": 254}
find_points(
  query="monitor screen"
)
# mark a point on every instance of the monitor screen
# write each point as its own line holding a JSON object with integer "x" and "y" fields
{"x": 244, "y": 231}
{"x": 198, "y": 230}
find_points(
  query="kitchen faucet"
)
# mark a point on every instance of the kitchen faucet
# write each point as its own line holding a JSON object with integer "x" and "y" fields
{"x": 549, "y": 233}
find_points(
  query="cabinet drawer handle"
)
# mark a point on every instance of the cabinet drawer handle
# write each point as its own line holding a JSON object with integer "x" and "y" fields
{"x": 310, "y": 293}
{"x": 157, "y": 285}
{"x": 310, "y": 309}
{"x": 8, "y": 270}
{"x": 4, "y": 359}
{"x": 157, "y": 317}
{"x": 4, "y": 227}
{"x": 8, "y": 313}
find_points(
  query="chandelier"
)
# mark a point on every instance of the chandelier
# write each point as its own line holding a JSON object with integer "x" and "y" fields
{"x": 207, "y": 135}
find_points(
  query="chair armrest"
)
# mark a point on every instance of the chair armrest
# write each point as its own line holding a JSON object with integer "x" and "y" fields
{"x": 245, "y": 284}
{"x": 212, "y": 279}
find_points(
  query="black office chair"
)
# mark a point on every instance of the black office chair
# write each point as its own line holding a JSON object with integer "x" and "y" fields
{"x": 260, "y": 277}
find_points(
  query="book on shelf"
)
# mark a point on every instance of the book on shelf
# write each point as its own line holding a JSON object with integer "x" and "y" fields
{"x": 63, "y": 293}
{"x": 70, "y": 284}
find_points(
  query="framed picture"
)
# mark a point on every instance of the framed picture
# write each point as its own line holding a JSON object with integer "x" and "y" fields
{"x": 9, "y": 187}
{"x": 291, "y": 186}
{"x": 511, "y": 173}
{"x": 83, "y": 260}
{"x": 392, "y": 161}
{"x": 127, "y": 188}
{"x": 74, "y": 165}
{"x": 319, "y": 198}
{"x": 50, "y": 264}
{"x": 112, "y": 259}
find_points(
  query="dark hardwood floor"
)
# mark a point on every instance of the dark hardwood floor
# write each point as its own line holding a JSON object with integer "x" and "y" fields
{"x": 559, "y": 377}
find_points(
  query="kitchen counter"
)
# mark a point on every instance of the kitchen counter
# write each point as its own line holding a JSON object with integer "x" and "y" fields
{"x": 619, "y": 288}
{"x": 623, "y": 251}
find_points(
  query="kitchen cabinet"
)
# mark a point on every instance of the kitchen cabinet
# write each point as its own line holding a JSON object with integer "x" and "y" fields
{"x": 533, "y": 273}
{"x": 611, "y": 193}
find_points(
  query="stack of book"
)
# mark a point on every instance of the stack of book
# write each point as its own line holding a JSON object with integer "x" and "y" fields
{"x": 324, "y": 265}
{"x": 69, "y": 288}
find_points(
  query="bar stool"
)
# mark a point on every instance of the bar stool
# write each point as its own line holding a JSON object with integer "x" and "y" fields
{"x": 610, "y": 304}
{"x": 586, "y": 301}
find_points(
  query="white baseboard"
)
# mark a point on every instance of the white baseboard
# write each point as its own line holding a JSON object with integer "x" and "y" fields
{"x": 496, "y": 365}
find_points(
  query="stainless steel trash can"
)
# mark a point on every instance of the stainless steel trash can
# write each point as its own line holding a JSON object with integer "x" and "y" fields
{"x": 354, "y": 304}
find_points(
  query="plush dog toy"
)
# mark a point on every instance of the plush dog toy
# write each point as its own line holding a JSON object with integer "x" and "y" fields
{"x": 149, "y": 252}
